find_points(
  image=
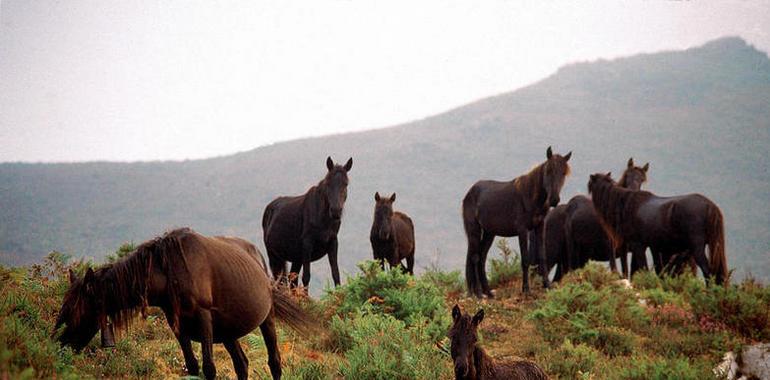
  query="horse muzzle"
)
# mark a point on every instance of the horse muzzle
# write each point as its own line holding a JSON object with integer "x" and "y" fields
{"x": 108, "y": 335}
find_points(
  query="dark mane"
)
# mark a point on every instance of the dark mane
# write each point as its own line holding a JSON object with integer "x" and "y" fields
{"x": 531, "y": 183}
{"x": 616, "y": 207}
{"x": 125, "y": 282}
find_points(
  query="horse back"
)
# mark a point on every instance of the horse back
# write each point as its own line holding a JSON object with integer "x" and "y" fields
{"x": 404, "y": 233}
{"x": 282, "y": 224}
{"x": 496, "y": 206}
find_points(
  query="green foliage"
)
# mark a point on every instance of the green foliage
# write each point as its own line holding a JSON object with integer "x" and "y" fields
{"x": 569, "y": 360}
{"x": 124, "y": 250}
{"x": 642, "y": 368}
{"x": 507, "y": 269}
{"x": 450, "y": 283}
{"x": 414, "y": 301}
{"x": 305, "y": 369}
{"x": 384, "y": 348}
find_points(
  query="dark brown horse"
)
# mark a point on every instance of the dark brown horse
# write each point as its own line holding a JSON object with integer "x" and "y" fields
{"x": 633, "y": 178}
{"x": 211, "y": 289}
{"x": 493, "y": 208}
{"x": 472, "y": 363}
{"x": 573, "y": 234}
{"x": 670, "y": 225}
{"x": 392, "y": 234}
{"x": 304, "y": 228}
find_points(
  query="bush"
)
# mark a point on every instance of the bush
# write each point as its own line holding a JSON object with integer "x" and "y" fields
{"x": 382, "y": 347}
{"x": 569, "y": 360}
{"x": 451, "y": 283}
{"x": 663, "y": 369}
{"x": 413, "y": 301}
{"x": 506, "y": 270}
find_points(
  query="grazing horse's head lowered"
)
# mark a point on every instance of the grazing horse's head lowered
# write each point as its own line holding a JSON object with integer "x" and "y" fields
{"x": 464, "y": 335}
{"x": 334, "y": 186}
{"x": 383, "y": 211}
{"x": 556, "y": 170}
{"x": 634, "y": 176}
{"x": 80, "y": 316}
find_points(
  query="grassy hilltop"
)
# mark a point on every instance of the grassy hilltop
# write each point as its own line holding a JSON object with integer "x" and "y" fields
{"x": 699, "y": 116}
{"x": 388, "y": 325}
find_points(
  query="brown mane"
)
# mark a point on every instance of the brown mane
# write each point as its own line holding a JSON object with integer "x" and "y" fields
{"x": 616, "y": 207}
{"x": 532, "y": 182}
{"x": 125, "y": 282}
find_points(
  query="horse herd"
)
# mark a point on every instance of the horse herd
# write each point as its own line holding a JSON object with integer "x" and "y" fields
{"x": 218, "y": 289}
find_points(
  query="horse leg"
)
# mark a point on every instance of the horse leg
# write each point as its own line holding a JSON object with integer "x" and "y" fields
{"x": 698, "y": 251}
{"x": 307, "y": 252}
{"x": 207, "y": 342}
{"x": 333, "y": 261}
{"x": 271, "y": 342}
{"x": 471, "y": 263}
{"x": 410, "y": 264}
{"x": 486, "y": 243}
{"x": 622, "y": 254}
{"x": 523, "y": 235}
{"x": 294, "y": 273}
{"x": 278, "y": 267}
{"x": 189, "y": 356}
{"x": 538, "y": 252}
{"x": 638, "y": 258}
{"x": 240, "y": 361}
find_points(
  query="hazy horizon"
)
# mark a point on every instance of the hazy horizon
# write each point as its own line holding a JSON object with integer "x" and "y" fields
{"x": 91, "y": 81}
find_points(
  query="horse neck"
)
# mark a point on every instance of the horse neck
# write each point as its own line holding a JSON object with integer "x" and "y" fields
{"x": 318, "y": 193}
{"x": 125, "y": 288}
{"x": 483, "y": 364}
{"x": 530, "y": 185}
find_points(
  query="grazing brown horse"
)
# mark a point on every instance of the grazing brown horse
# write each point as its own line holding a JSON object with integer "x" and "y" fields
{"x": 472, "y": 363}
{"x": 392, "y": 234}
{"x": 671, "y": 225}
{"x": 304, "y": 228}
{"x": 493, "y": 208}
{"x": 211, "y": 289}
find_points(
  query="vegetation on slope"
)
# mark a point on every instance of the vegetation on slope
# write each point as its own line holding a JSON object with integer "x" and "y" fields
{"x": 389, "y": 325}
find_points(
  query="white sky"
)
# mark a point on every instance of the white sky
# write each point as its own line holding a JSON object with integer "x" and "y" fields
{"x": 145, "y": 80}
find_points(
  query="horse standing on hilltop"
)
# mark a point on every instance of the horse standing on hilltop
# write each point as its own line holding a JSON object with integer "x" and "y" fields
{"x": 392, "y": 234}
{"x": 493, "y": 208}
{"x": 573, "y": 232}
{"x": 682, "y": 224}
{"x": 211, "y": 289}
{"x": 471, "y": 362}
{"x": 304, "y": 228}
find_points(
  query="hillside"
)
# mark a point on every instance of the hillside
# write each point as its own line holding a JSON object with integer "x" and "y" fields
{"x": 699, "y": 116}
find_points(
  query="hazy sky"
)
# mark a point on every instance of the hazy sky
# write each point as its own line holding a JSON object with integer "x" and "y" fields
{"x": 145, "y": 80}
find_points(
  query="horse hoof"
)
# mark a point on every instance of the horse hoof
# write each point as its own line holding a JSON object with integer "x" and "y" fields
{"x": 489, "y": 294}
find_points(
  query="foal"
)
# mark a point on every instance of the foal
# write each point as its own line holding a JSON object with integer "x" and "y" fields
{"x": 472, "y": 363}
{"x": 392, "y": 234}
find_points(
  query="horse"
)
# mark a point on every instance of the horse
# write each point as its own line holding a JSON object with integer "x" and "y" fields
{"x": 671, "y": 225}
{"x": 633, "y": 178}
{"x": 303, "y": 229}
{"x": 471, "y": 362}
{"x": 512, "y": 208}
{"x": 573, "y": 234}
{"x": 210, "y": 289}
{"x": 392, "y": 234}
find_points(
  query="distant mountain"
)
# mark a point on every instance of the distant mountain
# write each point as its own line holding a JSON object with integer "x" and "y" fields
{"x": 701, "y": 117}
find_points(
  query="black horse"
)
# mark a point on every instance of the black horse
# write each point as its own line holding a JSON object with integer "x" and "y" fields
{"x": 513, "y": 208}
{"x": 392, "y": 234}
{"x": 303, "y": 229}
{"x": 680, "y": 225}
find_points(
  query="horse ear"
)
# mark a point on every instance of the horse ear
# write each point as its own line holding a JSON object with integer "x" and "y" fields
{"x": 567, "y": 157}
{"x": 646, "y": 167}
{"x": 631, "y": 162}
{"x": 349, "y": 164}
{"x": 73, "y": 276}
{"x": 393, "y": 197}
{"x": 548, "y": 153}
{"x": 329, "y": 163}
{"x": 478, "y": 317}
{"x": 89, "y": 275}
{"x": 609, "y": 174}
{"x": 456, "y": 313}
{"x": 377, "y": 196}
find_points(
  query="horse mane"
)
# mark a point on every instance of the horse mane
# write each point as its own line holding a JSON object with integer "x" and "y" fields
{"x": 616, "y": 207}
{"x": 125, "y": 283}
{"x": 531, "y": 183}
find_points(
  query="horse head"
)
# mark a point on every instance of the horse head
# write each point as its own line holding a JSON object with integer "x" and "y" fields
{"x": 383, "y": 211}
{"x": 634, "y": 176}
{"x": 82, "y": 312}
{"x": 335, "y": 187}
{"x": 464, "y": 335}
{"x": 556, "y": 170}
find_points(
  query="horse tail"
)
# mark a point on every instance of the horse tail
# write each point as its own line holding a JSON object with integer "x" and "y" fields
{"x": 473, "y": 233}
{"x": 715, "y": 238}
{"x": 289, "y": 311}
{"x": 470, "y": 222}
{"x": 266, "y": 216}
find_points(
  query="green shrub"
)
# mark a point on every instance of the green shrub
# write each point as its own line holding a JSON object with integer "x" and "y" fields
{"x": 642, "y": 368}
{"x": 384, "y": 348}
{"x": 744, "y": 308}
{"x": 414, "y": 301}
{"x": 451, "y": 283}
{"x": 306, "y": 370}
{"x": 507, "y": 269}
{"x": 569, "y": 360}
